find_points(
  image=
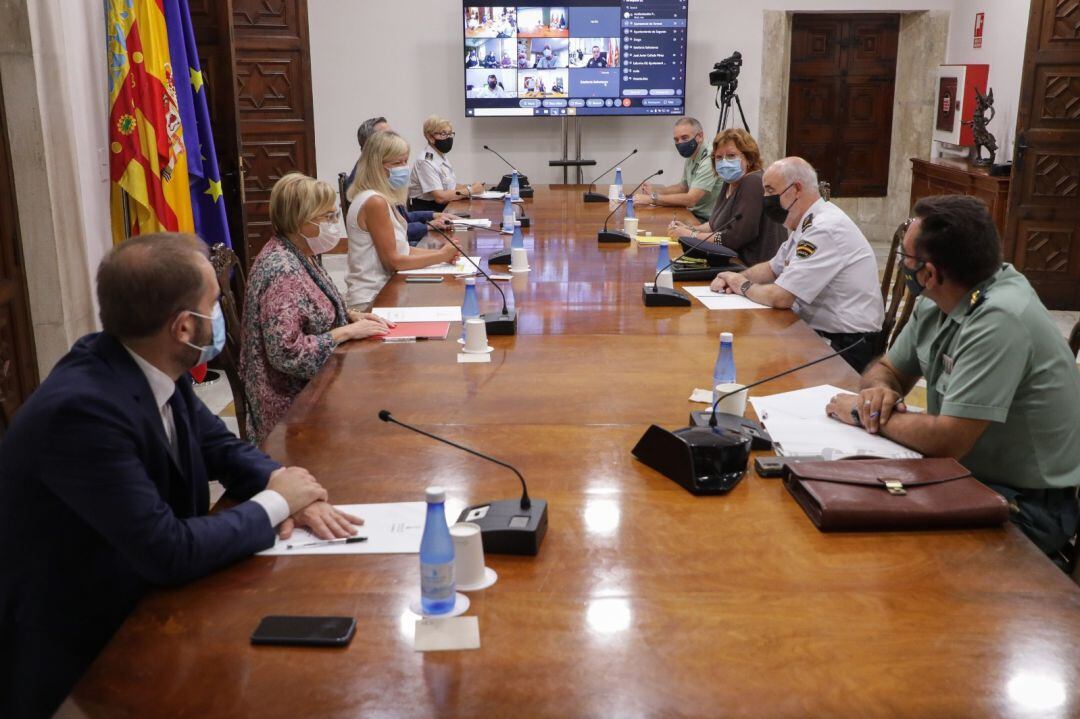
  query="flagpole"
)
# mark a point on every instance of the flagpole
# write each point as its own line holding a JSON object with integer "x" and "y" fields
{"x": 127, "y": 214}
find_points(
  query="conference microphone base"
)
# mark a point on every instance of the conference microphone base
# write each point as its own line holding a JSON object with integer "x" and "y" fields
{"x": 759, "y": 438}
{"x": 524, "y": 188}
{"x": 499, "y": 323}
{"x": 663, "y": 297}
{"x": 499, "y": 258}
{"x": 506, "y": 528}
{"x": 612, "y": 236}
{"x": 701, "y": 460}
{"x": 594, "y": 197}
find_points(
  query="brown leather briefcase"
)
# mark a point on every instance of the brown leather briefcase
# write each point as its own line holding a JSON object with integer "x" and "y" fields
{"x": 881, "y": 494}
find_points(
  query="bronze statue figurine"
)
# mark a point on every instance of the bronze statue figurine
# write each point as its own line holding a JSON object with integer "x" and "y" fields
{"x": 979, "y": 122}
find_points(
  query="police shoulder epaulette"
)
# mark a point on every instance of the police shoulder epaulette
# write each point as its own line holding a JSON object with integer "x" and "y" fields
{"x": 977, "y": 298}
{"x": 807, "y": 222}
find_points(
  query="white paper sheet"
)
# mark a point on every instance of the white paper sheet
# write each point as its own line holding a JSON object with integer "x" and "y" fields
{"x": 392, "y": 528}
{"x": 489, "y": 195}
{"x": 722, "y": 301}
{"x": 462, "y": 266}
{"x": 419, "y": 314}
{"x": 799, "y": 426}
{"x": 701, "y": 395}
{"x": 434, "y": 634}
{"x": 472, "y": 222}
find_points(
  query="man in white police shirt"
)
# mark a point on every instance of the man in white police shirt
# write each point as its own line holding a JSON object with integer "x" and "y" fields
{"x": 826, "y": 270}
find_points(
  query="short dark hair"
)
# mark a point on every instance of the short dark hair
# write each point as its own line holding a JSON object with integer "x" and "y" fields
{"x": 146, "y": 280}
{"x": 367, "y": 129}
{"x": 958, "y": 235}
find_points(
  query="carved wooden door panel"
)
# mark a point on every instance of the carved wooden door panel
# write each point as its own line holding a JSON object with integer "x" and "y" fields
{"x": 18, "y": 363}
{"x": 843, "y": 68}
{"x": 274, "y": 106}
{"x": 1042, "y": 236}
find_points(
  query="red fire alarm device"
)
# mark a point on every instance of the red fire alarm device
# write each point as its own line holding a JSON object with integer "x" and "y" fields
{"x": 980, "y": 18}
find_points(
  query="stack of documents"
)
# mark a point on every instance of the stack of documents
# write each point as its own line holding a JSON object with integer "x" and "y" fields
{"x": 722, "y": 301}
{"x": 472, "y": 222}
{"x": 419, "y": 314}
{"x": 461, "y": 267}
{"x": 394, "y": 528}
{"x": 799, "y": 426}
{"x": 489, "y": 195}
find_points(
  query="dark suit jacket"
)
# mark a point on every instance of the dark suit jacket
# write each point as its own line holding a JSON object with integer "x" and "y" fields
{"x": 94, "y": 510}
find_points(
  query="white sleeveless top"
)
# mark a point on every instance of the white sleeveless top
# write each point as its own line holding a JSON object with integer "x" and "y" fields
{"x": 367, "y": 275}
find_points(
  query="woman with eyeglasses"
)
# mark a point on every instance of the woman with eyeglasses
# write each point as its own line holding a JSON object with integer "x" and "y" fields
{"x": 294, "y": 316}
{"x": 378, "y": 231}
{"x": 737, "y": 162}
{"x": 432, "y": 183}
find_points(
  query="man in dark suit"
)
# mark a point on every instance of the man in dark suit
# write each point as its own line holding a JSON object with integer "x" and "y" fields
{"x": 104, "y": 475}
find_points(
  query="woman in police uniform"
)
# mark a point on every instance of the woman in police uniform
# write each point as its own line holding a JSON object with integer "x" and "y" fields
{"x": 433, "y": 183}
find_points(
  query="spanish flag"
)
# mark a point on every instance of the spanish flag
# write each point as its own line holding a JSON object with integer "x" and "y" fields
{"x": 148, "y": 159}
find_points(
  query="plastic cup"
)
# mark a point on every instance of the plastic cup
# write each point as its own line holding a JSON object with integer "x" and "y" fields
{"x": 468, "y": 553}
{"x": 736, "y": 403}
{"x": 630, "y": 225}
{"x": 475, "y": 336}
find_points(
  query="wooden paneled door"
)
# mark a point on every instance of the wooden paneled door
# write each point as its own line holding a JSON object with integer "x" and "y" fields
{"x": 840, "y": 100}
{"x": 18, "y": 362}
{"x": 1042, "y": 236}
{"x": 274, "y": 107}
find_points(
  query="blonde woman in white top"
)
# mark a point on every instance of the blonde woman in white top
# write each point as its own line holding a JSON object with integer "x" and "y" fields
{"x": 378, "y": 243}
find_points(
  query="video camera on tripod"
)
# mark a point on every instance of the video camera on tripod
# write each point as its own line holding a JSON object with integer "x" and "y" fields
{"x": 725, "y": 78}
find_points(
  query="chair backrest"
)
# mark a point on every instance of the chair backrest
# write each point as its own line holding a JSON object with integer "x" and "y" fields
{"x": 1074, "y": 338}
{"x": 230, "y": 276}
{"x": 825, "y": 189}
{"x": 891, "y": 264}
{"x": 343, "y": 186}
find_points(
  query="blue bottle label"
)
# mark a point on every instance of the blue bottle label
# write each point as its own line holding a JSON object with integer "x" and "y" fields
{"x": 437, "y": 581}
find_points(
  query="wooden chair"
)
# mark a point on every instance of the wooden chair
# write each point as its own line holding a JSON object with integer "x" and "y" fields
{"x": 343, "y": 186}
{"x": 825, "y": 189}
{"x": 891, "y": 263}
{"x": 230, "y": 277}
{"x": 894, "y": 293}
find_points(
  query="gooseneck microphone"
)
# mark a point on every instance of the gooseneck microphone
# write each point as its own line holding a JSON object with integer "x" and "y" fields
{"x": 591, "y": 196}
{"x": 606, "y": 235}
{"x": 669, "y": 297}
{"x": 525, "y": 190}
{"x": 716, "y": 403}
{"x": 503, "y": 323}
{"x": 507, "y": 526}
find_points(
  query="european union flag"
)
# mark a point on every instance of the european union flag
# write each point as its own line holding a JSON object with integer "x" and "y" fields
{"x": 207, "y": 204}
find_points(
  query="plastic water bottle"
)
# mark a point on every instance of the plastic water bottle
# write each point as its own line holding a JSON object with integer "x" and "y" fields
{"x": 518, "y": 240}
{"x": 508, "y": 215}
{"x": 663, "y": 258}
{"x": 515, "y": 187}
{"x": 616, "y": 189}
{"x": 724, "y": 370}
{"x": 629, "y": 206}
{"x": 437, "y": 589}
{"x": 470, "y": 307}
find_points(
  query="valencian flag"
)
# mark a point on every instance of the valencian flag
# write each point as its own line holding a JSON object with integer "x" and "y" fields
{"x": 148, "y": 159}
{"x": 207, "y": 204}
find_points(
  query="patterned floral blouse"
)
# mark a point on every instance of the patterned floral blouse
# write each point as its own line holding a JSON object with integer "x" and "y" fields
{"x": 290, "y": 307}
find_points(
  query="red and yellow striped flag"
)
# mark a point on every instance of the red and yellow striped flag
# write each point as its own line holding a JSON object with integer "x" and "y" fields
{"x": 148, "y": 160}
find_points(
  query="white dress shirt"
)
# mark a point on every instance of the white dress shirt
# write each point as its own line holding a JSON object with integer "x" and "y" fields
{"x": 162, "y": 387}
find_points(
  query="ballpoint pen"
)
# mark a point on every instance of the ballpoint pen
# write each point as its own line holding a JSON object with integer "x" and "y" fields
{"x": 327, "y": 542}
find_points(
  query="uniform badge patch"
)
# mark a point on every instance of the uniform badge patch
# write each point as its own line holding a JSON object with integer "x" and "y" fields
{"x": 807, "y": 222}
{"x": 429, "y": 156}
{"x": 805, "y": 249}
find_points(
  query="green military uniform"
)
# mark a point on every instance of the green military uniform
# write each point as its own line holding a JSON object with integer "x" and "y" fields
{"x": 999, "y": 357}
{"x": 698, "y": 171}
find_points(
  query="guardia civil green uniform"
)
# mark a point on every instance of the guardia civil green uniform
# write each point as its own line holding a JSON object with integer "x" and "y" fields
{"x": 998, "y": 356}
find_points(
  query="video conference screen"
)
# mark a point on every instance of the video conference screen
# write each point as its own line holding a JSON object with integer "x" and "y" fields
{"x": 582, "y": 57}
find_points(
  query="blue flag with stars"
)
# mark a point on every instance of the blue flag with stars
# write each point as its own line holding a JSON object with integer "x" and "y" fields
{"x": 207, "y": 203}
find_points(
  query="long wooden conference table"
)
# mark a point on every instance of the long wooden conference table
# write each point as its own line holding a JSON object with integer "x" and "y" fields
{"x": 644, "y": 600}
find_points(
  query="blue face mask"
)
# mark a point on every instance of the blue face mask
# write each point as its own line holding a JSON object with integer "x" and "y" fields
{"x": 399, "y": 176}
{"x": 729, "y": 170}
{"x": 217, "y": 321}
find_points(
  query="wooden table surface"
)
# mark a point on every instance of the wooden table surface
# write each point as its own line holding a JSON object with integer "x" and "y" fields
{"x": 644, "y": 600}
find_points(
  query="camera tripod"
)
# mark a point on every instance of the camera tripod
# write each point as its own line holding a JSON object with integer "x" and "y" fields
{"x": 725, "y": 94}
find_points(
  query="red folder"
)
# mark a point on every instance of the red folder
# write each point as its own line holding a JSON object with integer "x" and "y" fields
{"x": 419, "y": 330}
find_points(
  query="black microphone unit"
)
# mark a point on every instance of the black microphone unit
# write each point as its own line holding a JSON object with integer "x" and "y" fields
{"x": 498, "y": 323}
{"x": 597, "y": 196}
{"x": 524, "y": 189}
{"x": 508, "y": 526}
{"x": 499, "y": 257}
{"x": 606, "y": 235}
{"x": 659, "y": 296}
{"x": 710, "y": 459}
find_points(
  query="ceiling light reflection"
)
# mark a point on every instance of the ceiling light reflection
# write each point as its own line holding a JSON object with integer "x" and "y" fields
{"x": 608, "y": 616}
{"x": 1037, "y": 692}
{"x": 602, "y": 516}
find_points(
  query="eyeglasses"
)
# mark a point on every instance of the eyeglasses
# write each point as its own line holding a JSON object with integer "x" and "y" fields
{"x": 443, "y": 135}
{"x": 730, "y": 156}
{"x": 919, "y": 261}
{"x": 332, "y": 216}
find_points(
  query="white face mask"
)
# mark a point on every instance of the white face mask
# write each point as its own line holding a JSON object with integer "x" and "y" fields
{"x": 326, "y": 240}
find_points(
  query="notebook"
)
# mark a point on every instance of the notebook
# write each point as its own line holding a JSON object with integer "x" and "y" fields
{"x": 419, "y": 330}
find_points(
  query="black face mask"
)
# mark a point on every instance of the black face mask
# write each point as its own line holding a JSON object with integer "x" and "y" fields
{"x": 493, "y": 84}
{"x": 444, "y": 146}
{"x": 911, "y": 278}
{"x": 688, "y": 148}
{"x": 773, "y": 209}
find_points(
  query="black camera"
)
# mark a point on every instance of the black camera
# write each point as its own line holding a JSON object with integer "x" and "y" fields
{"x": 726, "y": 71}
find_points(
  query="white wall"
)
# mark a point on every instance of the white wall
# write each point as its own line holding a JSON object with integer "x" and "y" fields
{"x": 403, "y": 60}
{"x": 1004, "y": 38}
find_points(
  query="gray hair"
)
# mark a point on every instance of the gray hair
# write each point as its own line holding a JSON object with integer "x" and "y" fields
{"x": 796, "y": 169}
{"x": 367, "y": 129}
{"x": 692, "y": 122}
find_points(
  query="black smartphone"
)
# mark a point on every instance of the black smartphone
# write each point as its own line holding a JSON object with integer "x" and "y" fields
{"x": 425, "y": 279}
{"x": 305, "y": 631}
